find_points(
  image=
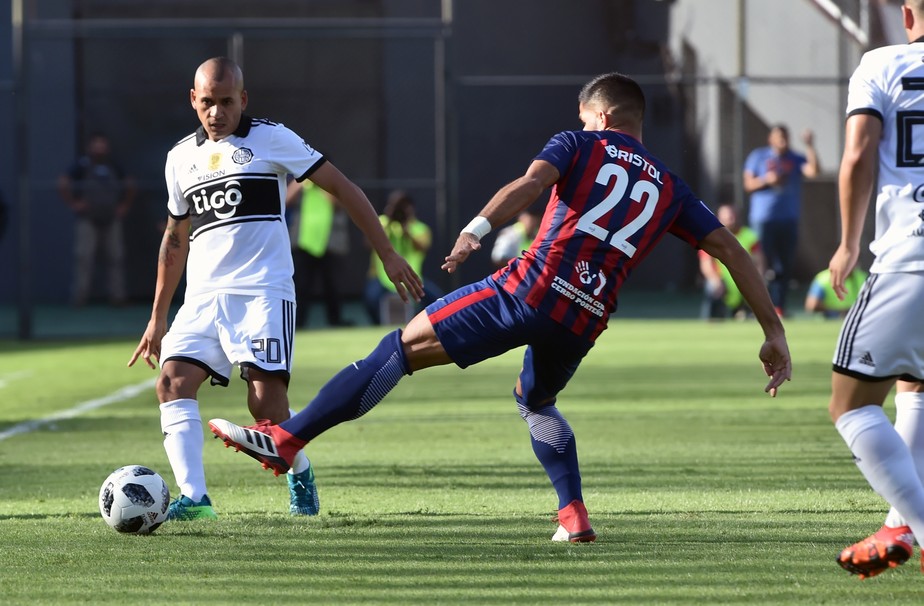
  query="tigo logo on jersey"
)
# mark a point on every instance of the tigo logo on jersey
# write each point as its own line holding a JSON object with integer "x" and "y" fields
{"x": 217, "y": 199}
{"x": 242, "y": 155}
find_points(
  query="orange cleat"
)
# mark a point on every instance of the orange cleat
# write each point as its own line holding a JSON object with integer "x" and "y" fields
{"x": 888, "y": 548}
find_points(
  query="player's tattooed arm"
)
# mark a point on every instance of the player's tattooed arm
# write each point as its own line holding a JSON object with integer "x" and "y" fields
{"x": 175, "y": 243}
{"x": 171, "y": 263}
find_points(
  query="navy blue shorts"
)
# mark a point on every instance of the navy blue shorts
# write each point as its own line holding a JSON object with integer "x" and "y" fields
{"x": 482, "y": 320}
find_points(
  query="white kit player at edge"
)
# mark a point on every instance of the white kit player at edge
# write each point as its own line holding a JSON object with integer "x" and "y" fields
{"x": 882, "y": 339}
{"x": 226, "y": 186}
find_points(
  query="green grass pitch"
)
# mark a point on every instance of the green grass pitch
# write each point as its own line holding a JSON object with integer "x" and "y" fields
{"x": 702, "y": 488}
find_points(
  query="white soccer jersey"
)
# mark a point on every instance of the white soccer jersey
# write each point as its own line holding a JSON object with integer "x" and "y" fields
{"x": 233, "y": 190}
{"x": 889, "y": 84}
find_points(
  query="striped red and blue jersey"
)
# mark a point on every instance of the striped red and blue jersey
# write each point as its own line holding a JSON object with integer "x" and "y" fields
{"x": 611, "y": 205}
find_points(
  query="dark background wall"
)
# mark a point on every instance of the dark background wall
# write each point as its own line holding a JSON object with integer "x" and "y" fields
{"x": 6, "y": 134}
{"x": 364, "y": 97}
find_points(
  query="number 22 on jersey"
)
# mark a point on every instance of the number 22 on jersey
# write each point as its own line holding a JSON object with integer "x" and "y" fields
{"x": 642, "y": 192}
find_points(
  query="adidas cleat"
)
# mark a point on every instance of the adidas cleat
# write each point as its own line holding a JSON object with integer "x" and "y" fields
{"x": 303, "y": 494}
{"x": 888, "y": 548}
{"x": 184, "y": 509}
{"x": 573, "y": 525}
{"x": 254, "y": 441}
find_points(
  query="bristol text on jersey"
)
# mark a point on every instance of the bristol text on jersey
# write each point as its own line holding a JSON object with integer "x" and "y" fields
{"x": 635, "y": 160}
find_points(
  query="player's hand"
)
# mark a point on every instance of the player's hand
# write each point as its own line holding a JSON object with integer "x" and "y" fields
{"x": 808, "y": 137}
{"x": 407, "y": 283}
{"x": 772, "y": 178}
{"x": 774, "y": 354}
{"x": 149, "y": 346}
{"x": 840, "y": 266}
{"x": 466, "y": 244}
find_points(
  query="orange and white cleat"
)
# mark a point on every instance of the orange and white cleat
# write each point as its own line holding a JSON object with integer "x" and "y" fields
{"x": 888, "y": 548}
{"x": 573, "y": 524}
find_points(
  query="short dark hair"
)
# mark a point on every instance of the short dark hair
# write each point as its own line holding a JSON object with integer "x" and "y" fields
{"x": 781, "y": 127}
{"x": 617, "y": 93}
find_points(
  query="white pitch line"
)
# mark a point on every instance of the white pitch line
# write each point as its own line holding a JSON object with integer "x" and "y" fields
{"x": 5, "y": 379}
{"x": 118, "y": 396}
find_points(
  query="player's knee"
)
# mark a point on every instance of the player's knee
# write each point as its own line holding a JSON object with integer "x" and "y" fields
{"x": 164, "y": 388}
{"x": 529, "y": 401}
{"x": 171, "y": 387}
{"x": 839, "y": 406}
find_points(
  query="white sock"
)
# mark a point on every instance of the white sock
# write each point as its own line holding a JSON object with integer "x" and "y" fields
{"x": 183, "y": 441}
{"x": 885, "y": 462}
{"x": 301, "y": 462}
{"x": 909, "y": 423}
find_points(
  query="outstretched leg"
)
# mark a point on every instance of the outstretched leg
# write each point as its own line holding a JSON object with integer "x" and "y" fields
{"x": 353, "y": 391}
{"x": 350, "y": 394}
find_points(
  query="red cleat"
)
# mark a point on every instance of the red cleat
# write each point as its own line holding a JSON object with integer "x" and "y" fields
{"x": 573, "y": 524}
{"x": 888, "y": 548}
{"x": 272, "y": 445}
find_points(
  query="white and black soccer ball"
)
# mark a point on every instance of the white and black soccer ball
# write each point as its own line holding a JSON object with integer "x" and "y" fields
{"x": 134, "y": 499}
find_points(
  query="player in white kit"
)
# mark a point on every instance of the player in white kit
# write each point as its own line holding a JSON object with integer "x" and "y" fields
{"x": 882, "y": 339}
{"x": 226, "y": 188}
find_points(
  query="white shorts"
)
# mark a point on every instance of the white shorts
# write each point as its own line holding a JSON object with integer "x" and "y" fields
{"x": 219, "y": 331}
{"x": 883, "y": 333}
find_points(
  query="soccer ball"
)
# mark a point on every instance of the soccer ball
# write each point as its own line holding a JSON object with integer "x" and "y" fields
{"x": 134, "y": 499}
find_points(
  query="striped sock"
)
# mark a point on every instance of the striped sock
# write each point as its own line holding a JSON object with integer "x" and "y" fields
{"x": 353, "y": 391}
{"x": 555, "y": 446}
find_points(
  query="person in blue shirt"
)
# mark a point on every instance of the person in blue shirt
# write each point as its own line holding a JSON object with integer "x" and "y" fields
{"x": 773, "y": 178}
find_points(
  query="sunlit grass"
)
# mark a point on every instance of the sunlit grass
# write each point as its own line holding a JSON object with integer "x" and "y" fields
{"x": 702, "y": 488}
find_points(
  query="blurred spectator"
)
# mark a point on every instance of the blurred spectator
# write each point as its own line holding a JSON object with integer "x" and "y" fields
{"x": 721, "y": 296}
{"x": 773, "y": 178}
{"x": 411, "y": 239}
{"x": 319, "y": 235}
{"x": 821, "y": 297}
{"x": 100, "y": 194}
{"x": 516, "y": 238}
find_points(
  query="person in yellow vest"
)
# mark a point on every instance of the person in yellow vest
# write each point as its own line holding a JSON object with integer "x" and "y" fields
{"x": 319, "y": 234}
{"x": 721, "y": 297}
{"x": 411, "y": 238}
{"x": 821, "y": 297}
{"x": 516, "y": 238}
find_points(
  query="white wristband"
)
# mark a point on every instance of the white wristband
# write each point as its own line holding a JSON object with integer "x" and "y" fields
{"x": 478, "y": 227}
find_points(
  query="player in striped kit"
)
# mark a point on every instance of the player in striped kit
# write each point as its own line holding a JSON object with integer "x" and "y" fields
{"x": 611, "y": 202}
{"x": 882, "y": 341}
{"x": 226, "y": 187}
